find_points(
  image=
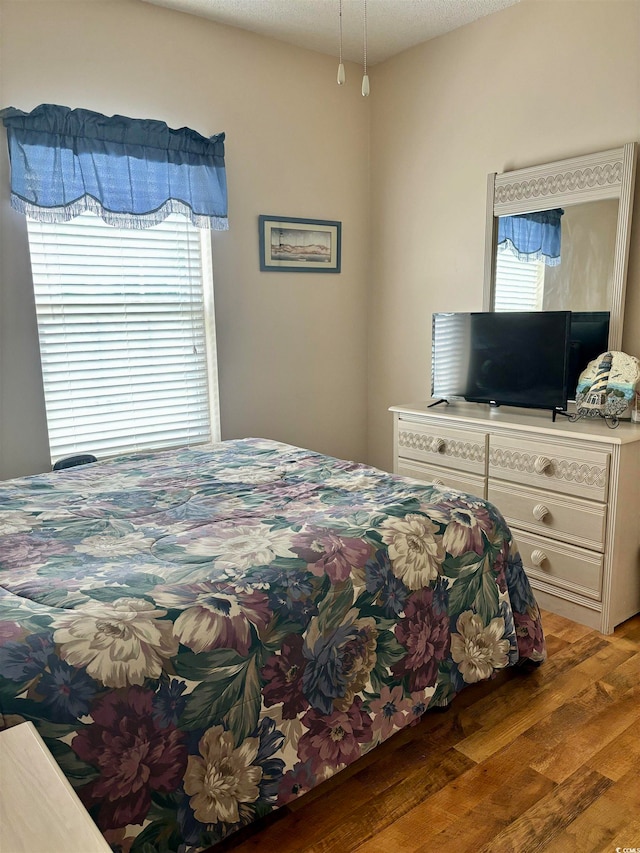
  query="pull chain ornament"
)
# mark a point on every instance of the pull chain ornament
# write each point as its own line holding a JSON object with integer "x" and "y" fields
{"x": 365, "y": 78}
{"x": 341, "y": 74}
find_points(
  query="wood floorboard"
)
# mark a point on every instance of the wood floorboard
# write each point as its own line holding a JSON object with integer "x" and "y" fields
{"x": 541, "y": 760}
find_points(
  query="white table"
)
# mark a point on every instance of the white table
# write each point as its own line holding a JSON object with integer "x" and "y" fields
{"x": 39, "y": 810}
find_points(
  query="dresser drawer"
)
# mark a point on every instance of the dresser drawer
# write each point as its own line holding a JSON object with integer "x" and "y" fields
{"x": 551, "y": 514}
{"x": 442, "y": 477}
{"x": 462, "y": 450}
{"x": 563, "y": 566}
{"x": 579, "y": 471}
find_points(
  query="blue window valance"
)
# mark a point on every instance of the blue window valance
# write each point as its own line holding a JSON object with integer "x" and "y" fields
{"x": 531, "y": 236}
{"x": 132, "y": 172}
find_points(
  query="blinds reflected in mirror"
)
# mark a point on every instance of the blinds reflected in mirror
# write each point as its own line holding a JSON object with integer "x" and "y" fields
{"x": 519, "y": 284}
{"x": 450, "y": 354}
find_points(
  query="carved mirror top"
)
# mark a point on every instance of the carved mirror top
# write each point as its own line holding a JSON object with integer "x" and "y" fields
{"x": 580, "y": 179}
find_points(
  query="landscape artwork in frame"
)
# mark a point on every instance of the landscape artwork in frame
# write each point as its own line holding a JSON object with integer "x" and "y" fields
{"x": 289, "y": 244}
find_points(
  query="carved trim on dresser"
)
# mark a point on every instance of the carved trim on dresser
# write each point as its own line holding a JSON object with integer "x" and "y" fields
{"x": 452, "y": 447}
{"x": 559, "y": 469}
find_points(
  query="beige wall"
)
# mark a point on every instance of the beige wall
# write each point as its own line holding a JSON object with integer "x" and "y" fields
{"x": 292, "y": 347}
{"x": 540, "y": 81}
{"x": 543, "y": 80}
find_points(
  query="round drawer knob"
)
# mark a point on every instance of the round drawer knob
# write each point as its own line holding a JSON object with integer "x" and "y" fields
{"x": 540, "y": 512}
{"x": 438, "y": 445}
{"x": 437, "y": 481}
{"x": 538, "y": 557}
{"x": 541, "y": 464}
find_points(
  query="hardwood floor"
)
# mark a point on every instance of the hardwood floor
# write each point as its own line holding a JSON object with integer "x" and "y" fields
{"x": 543, "y": 760}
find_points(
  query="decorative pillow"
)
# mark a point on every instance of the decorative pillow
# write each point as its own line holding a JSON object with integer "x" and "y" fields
{"x": 607, "y": 386}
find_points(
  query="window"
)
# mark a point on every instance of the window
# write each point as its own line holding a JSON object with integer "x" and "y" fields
{"x": 519, "y": 284}
{"x": 127, "y": 336}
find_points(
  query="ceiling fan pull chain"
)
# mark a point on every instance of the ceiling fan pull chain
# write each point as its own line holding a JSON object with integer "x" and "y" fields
{"x": 341, "y": 74}
{"x": 365, "y": 78}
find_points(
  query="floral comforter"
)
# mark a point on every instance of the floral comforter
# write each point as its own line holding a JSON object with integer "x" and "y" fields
{"x": 202, "y": 635}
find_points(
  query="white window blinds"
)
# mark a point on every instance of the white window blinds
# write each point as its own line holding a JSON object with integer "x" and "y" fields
{"x": 519, "y": 284}
{"x": 450, "y": 354}
{"x": 127, "y": 336}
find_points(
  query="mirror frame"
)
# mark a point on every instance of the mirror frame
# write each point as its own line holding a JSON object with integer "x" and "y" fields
{"x": 604, "y": 175}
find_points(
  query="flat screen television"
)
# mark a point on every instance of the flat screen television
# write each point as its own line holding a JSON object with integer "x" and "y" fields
{"x": 515, "y": 358}
{"x": 589, "y": 338}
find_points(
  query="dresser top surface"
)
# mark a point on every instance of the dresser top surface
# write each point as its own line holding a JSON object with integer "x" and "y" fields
{"x": 529, "y": 420}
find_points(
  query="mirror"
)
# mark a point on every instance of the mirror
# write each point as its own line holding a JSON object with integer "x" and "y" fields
{"x": 595, "y": 195}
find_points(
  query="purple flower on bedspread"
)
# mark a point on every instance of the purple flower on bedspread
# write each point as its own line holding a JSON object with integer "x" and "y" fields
{"x": 392, "y": 593}
{"x": 26, "y": 659}
{"x": 424, "y": 633}
{"x": 29, "y": 549}
{"x": 282, "y": 675}
{"x": 330, "y": 554}
{"x": 119, "y": 643}
{"x": 529, "y": 633}
{"x": 338, "y": 664}
{"x": 9, "y": 631}
{"x": 465, "y": 525}
{"x": 214, "y": 616}
{"x": 334, "y": 740}
{"x": 133, "y": 755}
{"x": 298, "y": 781}
{"x": 418, "y": 706}
{"x": 500, "y": 566}
{"x": 168, "y": 702}
{"x": 67, "y": 692}
{"x": 389, "y": 711}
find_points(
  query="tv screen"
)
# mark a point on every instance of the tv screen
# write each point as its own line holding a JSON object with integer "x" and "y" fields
{"x": 589, "y": 338}
{"x": 504, "y": 358}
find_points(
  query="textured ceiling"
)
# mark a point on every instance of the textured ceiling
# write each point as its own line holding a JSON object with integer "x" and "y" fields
{"x": 392, "y": 25}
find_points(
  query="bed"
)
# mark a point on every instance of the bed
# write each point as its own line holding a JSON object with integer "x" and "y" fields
{"x": 202, "y": 635}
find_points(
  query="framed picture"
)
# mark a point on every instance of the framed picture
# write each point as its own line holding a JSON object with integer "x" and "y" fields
{"x": 288, "y": 244}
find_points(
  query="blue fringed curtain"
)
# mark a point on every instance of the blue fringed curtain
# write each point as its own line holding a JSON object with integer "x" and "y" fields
{"x": 531, "y": 236}
{"x": 132, "y": 173}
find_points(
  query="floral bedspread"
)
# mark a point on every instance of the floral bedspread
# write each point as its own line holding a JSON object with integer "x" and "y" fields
{"x": 202, "y": 635}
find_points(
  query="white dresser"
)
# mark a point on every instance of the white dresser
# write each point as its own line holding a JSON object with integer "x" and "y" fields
{"x": 570, "y": 493}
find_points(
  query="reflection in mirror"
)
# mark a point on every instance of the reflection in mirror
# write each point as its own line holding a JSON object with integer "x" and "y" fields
{"x": 580, "y": 279}
{"x": 595, "y": 191}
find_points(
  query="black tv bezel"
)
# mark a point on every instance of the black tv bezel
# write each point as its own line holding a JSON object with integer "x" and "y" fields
{"x": 551, "y": 407}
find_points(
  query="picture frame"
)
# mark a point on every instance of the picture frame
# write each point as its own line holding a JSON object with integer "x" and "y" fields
{"x": 292, "y": 244}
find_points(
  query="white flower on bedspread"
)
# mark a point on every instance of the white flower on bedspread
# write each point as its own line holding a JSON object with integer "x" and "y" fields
{"x": 222, "y": 776}
{"x": 415, "y": 552}
{"x": 15, "y": 522}
{"x": 108, "y": 545}
{"x": 243, "y": 545}
{"x": 477, "y": 649}
{"x": 353, "y": 482}
{"x": 119, "y": 644}
{"x": 245, "y": 474}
